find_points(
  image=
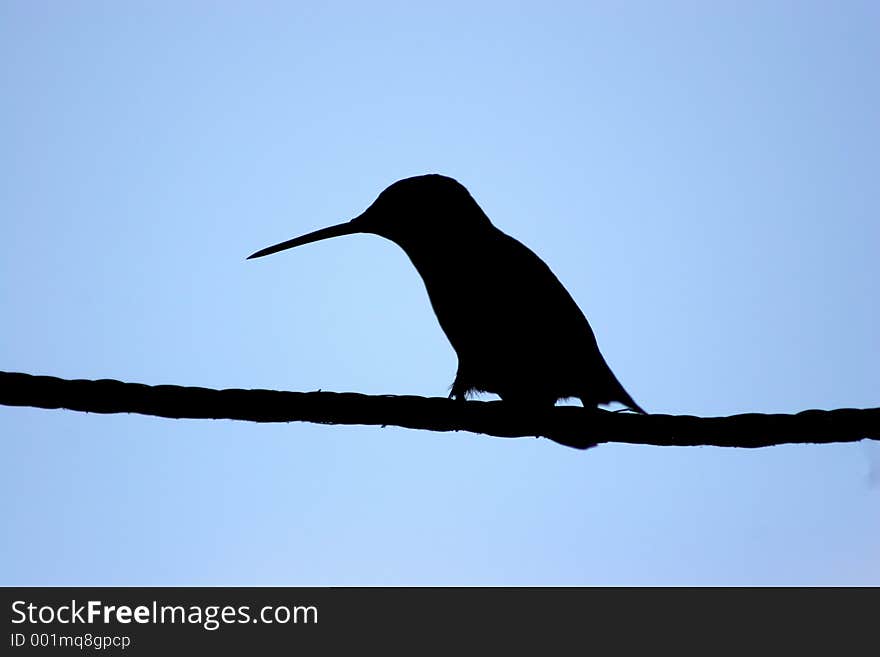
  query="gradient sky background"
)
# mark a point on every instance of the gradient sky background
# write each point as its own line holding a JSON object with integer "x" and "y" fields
{"x": 703, "y": 177}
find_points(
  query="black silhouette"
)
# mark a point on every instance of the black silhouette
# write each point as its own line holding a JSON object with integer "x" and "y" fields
{"x": 516, "y": 330}
{"x": 565, "y": 425}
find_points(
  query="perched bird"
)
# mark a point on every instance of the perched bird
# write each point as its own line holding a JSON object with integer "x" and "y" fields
{"x": 516, "y": 330}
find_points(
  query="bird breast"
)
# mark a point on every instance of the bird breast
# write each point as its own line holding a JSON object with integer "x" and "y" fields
{"x": 501, "y": 307}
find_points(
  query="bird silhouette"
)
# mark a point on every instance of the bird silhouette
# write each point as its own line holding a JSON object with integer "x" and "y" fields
{"x": 516, "y": 330}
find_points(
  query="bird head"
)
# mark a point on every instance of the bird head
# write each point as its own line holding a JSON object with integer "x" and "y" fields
{"x": 413, "y": 212}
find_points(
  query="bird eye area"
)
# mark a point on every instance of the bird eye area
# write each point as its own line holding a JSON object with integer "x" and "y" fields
{"x": 422, "y": 207}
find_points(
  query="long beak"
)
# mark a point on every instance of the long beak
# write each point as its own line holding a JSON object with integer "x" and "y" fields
{"x": 346, "y": 228}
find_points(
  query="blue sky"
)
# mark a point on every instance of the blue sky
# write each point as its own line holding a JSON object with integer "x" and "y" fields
{"x": 701, "y": 176}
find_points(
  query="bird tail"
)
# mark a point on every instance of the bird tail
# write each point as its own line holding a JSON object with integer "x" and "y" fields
{"x": 627, "y": 401}
{"x": 620, "y": 394}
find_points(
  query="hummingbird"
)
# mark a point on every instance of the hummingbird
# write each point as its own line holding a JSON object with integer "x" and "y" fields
{"x": 517, "y": 331}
